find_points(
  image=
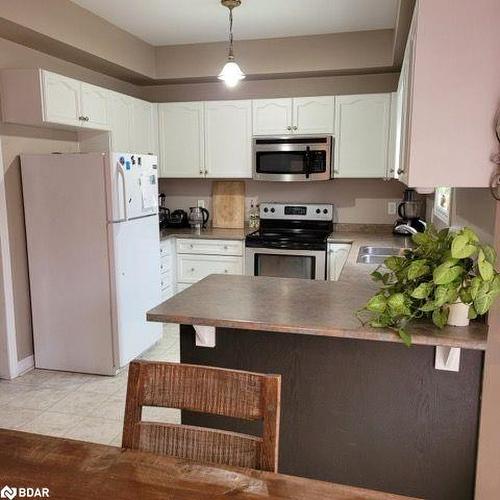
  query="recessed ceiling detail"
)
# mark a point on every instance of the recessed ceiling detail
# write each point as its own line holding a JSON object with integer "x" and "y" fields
{"x": 173, "y": 22}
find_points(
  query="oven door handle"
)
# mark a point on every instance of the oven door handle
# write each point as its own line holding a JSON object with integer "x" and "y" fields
{"x": 307, "y": 162}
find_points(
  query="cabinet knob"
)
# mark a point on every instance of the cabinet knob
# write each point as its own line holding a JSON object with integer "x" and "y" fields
{"x": 295, "y": 127}
{"x": 81, "y": 118}
{"x": 87, "y": 118}
{"x": 401, "y": 171}
{"x": 225, "y": 270}
{"x": 191, "y": 245}
{"x": 225, "y": 247}
{"x": 192, "y": 269}
{"x": 206, "y": 171}
{"x": 289, "y": 128}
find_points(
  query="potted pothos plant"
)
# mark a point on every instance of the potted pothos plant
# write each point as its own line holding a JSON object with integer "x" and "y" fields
{"x": 448, "y": 277}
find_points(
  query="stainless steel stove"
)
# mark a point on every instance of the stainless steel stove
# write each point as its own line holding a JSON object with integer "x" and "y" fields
{"x": 291, "y": 241}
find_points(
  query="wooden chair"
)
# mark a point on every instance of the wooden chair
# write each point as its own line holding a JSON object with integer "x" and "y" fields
{"x": 231, "y": 393}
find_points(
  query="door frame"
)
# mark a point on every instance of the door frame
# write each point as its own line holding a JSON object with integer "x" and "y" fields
{"x": 8, "y": 346}
{"x": 488, "y": 459}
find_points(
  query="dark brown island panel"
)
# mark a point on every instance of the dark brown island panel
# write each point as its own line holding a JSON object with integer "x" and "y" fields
{"x": 359, "y": 412}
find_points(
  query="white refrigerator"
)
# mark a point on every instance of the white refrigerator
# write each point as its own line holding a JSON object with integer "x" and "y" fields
{"x": 93, "y": 251}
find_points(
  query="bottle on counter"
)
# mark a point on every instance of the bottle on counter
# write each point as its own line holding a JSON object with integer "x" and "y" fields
{"x": 253, "y": 217}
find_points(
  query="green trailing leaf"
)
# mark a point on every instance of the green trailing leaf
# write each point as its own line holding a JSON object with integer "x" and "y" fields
{"x": 405, "y": 336}
{"x": 472, "y": 312}
{"x": 465, "y": 295}
{"x": 486, "y": 270}
{"x": 394, "y": 263}
{"x": 489, "y": 254}
{"x": 377, "y": 304}
{"x": 483, "y": 302}
{"x": 429, "y": 306}
{"x": 461, "y": 248}
{"x": 470, "y": 235}
{"x": 446, "y": 273}
{"x": 422, "y": 291}
{"x": 396, "y": 303}
{"x": 420, "y": 238}
{"x": 376, "y": 276}
{"x": 475, "y": 284}
{"x": 417, "y": 269}
{"x": 440, "y": 317}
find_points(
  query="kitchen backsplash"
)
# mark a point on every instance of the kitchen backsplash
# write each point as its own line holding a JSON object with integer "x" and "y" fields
{"x": 355, "y": 200}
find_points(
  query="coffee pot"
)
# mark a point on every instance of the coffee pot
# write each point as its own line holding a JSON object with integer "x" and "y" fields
{"x": 198, "y": 217}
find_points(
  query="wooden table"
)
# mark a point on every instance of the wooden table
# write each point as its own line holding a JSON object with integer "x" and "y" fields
{"x": 79, "y": 470}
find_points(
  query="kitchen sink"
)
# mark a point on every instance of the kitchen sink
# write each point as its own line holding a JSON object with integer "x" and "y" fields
{"x": 376, "y": 255}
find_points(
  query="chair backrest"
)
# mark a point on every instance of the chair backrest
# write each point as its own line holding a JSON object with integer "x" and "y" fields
{"x": 231, "y": 393}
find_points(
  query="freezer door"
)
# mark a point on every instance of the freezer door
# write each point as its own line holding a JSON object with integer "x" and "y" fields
{"x": 136, "y": 264}
{"x": 132, "y": 184}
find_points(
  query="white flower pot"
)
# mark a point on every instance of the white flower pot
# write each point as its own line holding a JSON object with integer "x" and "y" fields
{"x": 458, "y": 314}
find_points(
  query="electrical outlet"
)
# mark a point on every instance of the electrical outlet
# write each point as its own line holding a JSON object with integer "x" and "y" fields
{"x": 391, "y": 208}
{"x": 201, "y": 203}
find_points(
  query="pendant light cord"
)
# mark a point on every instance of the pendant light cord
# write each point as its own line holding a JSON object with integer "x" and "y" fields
{"x": 231, "y": 55}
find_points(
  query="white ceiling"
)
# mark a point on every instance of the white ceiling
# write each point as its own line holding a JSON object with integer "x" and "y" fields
{"x": 171, "y": 22}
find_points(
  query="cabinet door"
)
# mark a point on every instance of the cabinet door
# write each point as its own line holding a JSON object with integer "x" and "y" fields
{"x": 272, "y": 116}
{"x": 362, "y": 135}
{"x": 94, "y": 106}
{"x": 228, "y": 136}
{"x": 141, "y": 125}
{"x": 314, "y": 115}
{"x": 61, "y": 96}
{"x": 337, "y": 255}
{"x": 181, "y": 139}
{"x": 120, "y": 113}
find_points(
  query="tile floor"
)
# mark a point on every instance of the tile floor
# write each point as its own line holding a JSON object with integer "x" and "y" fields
{"x": 78, "y": 406}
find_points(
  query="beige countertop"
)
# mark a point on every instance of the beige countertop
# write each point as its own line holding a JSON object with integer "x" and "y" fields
{"x": 210, "y": 233}
{"x": 307, "y": 307}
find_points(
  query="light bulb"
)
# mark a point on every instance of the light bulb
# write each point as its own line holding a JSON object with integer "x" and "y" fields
{"x": 231, "y": 73}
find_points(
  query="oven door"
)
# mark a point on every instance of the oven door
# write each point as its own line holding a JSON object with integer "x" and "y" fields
{"x": 292, "y": 158}
{"x": 306, "y": 264}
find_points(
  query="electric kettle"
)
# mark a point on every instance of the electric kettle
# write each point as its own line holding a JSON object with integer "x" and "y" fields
{"x": 198, "y": 217}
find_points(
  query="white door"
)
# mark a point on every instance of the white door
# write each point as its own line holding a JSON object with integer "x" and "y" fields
{"x": 142, "y": 130}
{"x": 362, "y": 135}
{"x": 132, "y": 186}
{"x": 181, "y": 138}
{"x": 136, "y": 260}
{"x": 228, "y": 137}
{"x": 272, "y": 116}
{"x": 61, "y": 99}
{"x": 94, "y": 106}
{"x": 120, "y": 112}
{"x": 313, "y": 115}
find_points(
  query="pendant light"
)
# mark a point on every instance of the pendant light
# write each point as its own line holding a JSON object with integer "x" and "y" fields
{"x": 231, "y": 73}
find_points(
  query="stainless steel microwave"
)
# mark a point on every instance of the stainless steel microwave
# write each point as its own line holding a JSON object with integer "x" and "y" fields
{"x": 293, "y": 158}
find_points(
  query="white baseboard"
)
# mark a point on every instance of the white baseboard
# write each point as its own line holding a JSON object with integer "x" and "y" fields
{"x": 25, "y": 365}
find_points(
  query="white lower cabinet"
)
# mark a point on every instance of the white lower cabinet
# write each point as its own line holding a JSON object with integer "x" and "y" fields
{"x": 337, "y": 257}
{"x": 167, "y": 268}
{"x": 198, "y": 258}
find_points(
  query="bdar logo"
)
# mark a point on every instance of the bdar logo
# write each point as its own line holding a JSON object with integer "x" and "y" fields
{"x": 8, "y": 492}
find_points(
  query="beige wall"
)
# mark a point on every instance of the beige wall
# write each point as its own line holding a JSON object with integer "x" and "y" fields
{"x": 276, "y": 87}
{"x": 356, "y": 200}
{"x": 321, "y": 53}
{"x": 16, "y": 140}
{"x": 68, "y": 23}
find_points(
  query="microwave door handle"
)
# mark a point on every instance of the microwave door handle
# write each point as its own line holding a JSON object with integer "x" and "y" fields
{"x": 307, "y": 162}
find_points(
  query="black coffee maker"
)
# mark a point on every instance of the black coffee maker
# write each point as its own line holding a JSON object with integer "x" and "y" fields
{"x": 410, "y": 221}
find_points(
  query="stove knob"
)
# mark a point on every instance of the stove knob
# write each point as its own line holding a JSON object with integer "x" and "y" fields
{"x": 266, "y": 210}
{"x": 318, "y": 211}
{"x": 325, "y": 211}
{"x": 273, "y": 210}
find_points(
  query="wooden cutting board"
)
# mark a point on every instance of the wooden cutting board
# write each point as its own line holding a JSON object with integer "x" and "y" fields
{"x": 228, "y": 204}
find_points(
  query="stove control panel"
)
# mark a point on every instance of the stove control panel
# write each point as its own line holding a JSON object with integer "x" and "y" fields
{"x": 297, "y": 211}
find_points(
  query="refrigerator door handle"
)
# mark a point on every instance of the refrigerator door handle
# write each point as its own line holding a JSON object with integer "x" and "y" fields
{"x": 125, "y": 202}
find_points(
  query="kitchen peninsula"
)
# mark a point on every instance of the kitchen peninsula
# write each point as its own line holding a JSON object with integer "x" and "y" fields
{"x": 358, "y": 407}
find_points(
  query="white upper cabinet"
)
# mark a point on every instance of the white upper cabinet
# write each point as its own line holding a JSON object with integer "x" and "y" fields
{"x": 181, "y": 132}
{"x": 272, "y": 116}
{"x": 61, "y": 99}
{"x": 362, "y": 126}
{"x": 142, "y": 127}
{"x": 228, "y": 137}
{"x": 94, "y": 106}
{"x": 313, "y": 115}
{"x": 300, "y": 115}
{"x": 120, "y": 111}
